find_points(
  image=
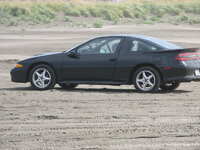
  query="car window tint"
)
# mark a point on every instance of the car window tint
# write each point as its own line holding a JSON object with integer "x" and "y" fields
{"x": 138, "y": 45}
{"x": 104, "y": 49}
{"x": 96, "y": 42}
{"x": 114, "y": 44}
{"x": 100, "y": 46}
{"x": 84, "y": 49}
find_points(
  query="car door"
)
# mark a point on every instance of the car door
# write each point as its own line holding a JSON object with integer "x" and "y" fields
{"x": 95, "y": 60}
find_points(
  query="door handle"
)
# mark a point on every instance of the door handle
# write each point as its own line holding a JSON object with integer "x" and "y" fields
{"x": 113, "y": 59}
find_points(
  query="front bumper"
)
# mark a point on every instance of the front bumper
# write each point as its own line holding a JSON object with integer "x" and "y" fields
{"x": 18, "y": 75}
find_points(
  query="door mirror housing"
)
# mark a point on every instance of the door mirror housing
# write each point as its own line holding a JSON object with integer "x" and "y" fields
{"x": 73, "y": 54}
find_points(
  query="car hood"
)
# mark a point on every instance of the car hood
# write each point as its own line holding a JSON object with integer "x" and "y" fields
{"x": 46, "y": 54}
{"x": 40, "y": 57}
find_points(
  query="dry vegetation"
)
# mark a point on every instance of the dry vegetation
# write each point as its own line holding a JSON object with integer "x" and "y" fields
{"x": 13, "y": 13}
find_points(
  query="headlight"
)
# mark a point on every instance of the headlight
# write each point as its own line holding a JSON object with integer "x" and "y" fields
{"x": 18, "y": 66}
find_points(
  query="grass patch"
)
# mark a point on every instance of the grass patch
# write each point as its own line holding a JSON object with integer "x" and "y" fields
{"x": 98, "y": 24}
{"x": 82, "y": 24}
{"x": 33, "y": 13}
{"x": 154, "y": 18}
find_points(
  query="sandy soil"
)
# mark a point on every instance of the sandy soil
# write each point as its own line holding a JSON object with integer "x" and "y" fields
{"x": 94, "y": 117}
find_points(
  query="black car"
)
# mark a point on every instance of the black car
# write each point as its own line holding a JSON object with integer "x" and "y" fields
{"x": 146, "y": 62}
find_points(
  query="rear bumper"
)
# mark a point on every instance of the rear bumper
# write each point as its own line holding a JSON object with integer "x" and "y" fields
{"x": 18, "y": 75}
{"x": 183, "y": 79}
{"x": 181, "y": 75}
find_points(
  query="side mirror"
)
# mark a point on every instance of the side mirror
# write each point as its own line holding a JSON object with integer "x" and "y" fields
{"x": 73, "y": 54}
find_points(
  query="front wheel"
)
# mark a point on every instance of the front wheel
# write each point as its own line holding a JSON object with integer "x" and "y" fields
{"x": 146, "y": 80}
{"x": 42, "y": 77}
{"x": 170, "y": 86}
{"x": 68, "y": 86}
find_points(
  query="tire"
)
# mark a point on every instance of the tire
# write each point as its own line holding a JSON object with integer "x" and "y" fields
{"x": 68, "y": 86}
{"x": 42, "y": 77}
{"x": 146, "y": 80}
{"x": 170, "y": 86}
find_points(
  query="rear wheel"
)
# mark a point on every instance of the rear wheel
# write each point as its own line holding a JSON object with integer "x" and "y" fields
{"x": 42, "y": 77}
{"x": 68, "y": 86}
{"x": 146, "y": 80}
{"x": 170, "y": 86}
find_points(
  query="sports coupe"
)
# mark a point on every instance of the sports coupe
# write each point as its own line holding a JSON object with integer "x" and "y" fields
{"x": 146, "y": 62}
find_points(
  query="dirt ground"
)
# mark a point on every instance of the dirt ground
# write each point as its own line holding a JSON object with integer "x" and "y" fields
{"x": 94, "y": 117}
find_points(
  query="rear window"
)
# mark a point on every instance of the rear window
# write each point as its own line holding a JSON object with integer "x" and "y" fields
{"x": 162, "y": 43}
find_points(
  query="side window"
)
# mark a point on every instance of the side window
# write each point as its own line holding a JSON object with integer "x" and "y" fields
{"x": 107, "y": 45}
{"x": 114, "y": 45}
{"x": 139, "y": 45}
{"x": 84, "y": 49}
{"x": 104, "y": 49}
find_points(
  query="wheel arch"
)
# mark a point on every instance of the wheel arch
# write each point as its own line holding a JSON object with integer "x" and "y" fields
{"x": 143, "y": 65}
{"x": 40, "y": 63}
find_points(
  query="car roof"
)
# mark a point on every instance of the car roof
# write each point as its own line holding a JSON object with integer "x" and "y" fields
{"x": 163, "y": 43}
{"x": 130, "y": 35}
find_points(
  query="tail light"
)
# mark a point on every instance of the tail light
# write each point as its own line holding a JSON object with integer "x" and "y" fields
{"x": 187, "y": 56}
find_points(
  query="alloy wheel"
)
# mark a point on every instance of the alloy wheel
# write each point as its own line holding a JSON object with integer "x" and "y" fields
{"x": 41, "y": 78}
{"x": 145, "y": 80}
